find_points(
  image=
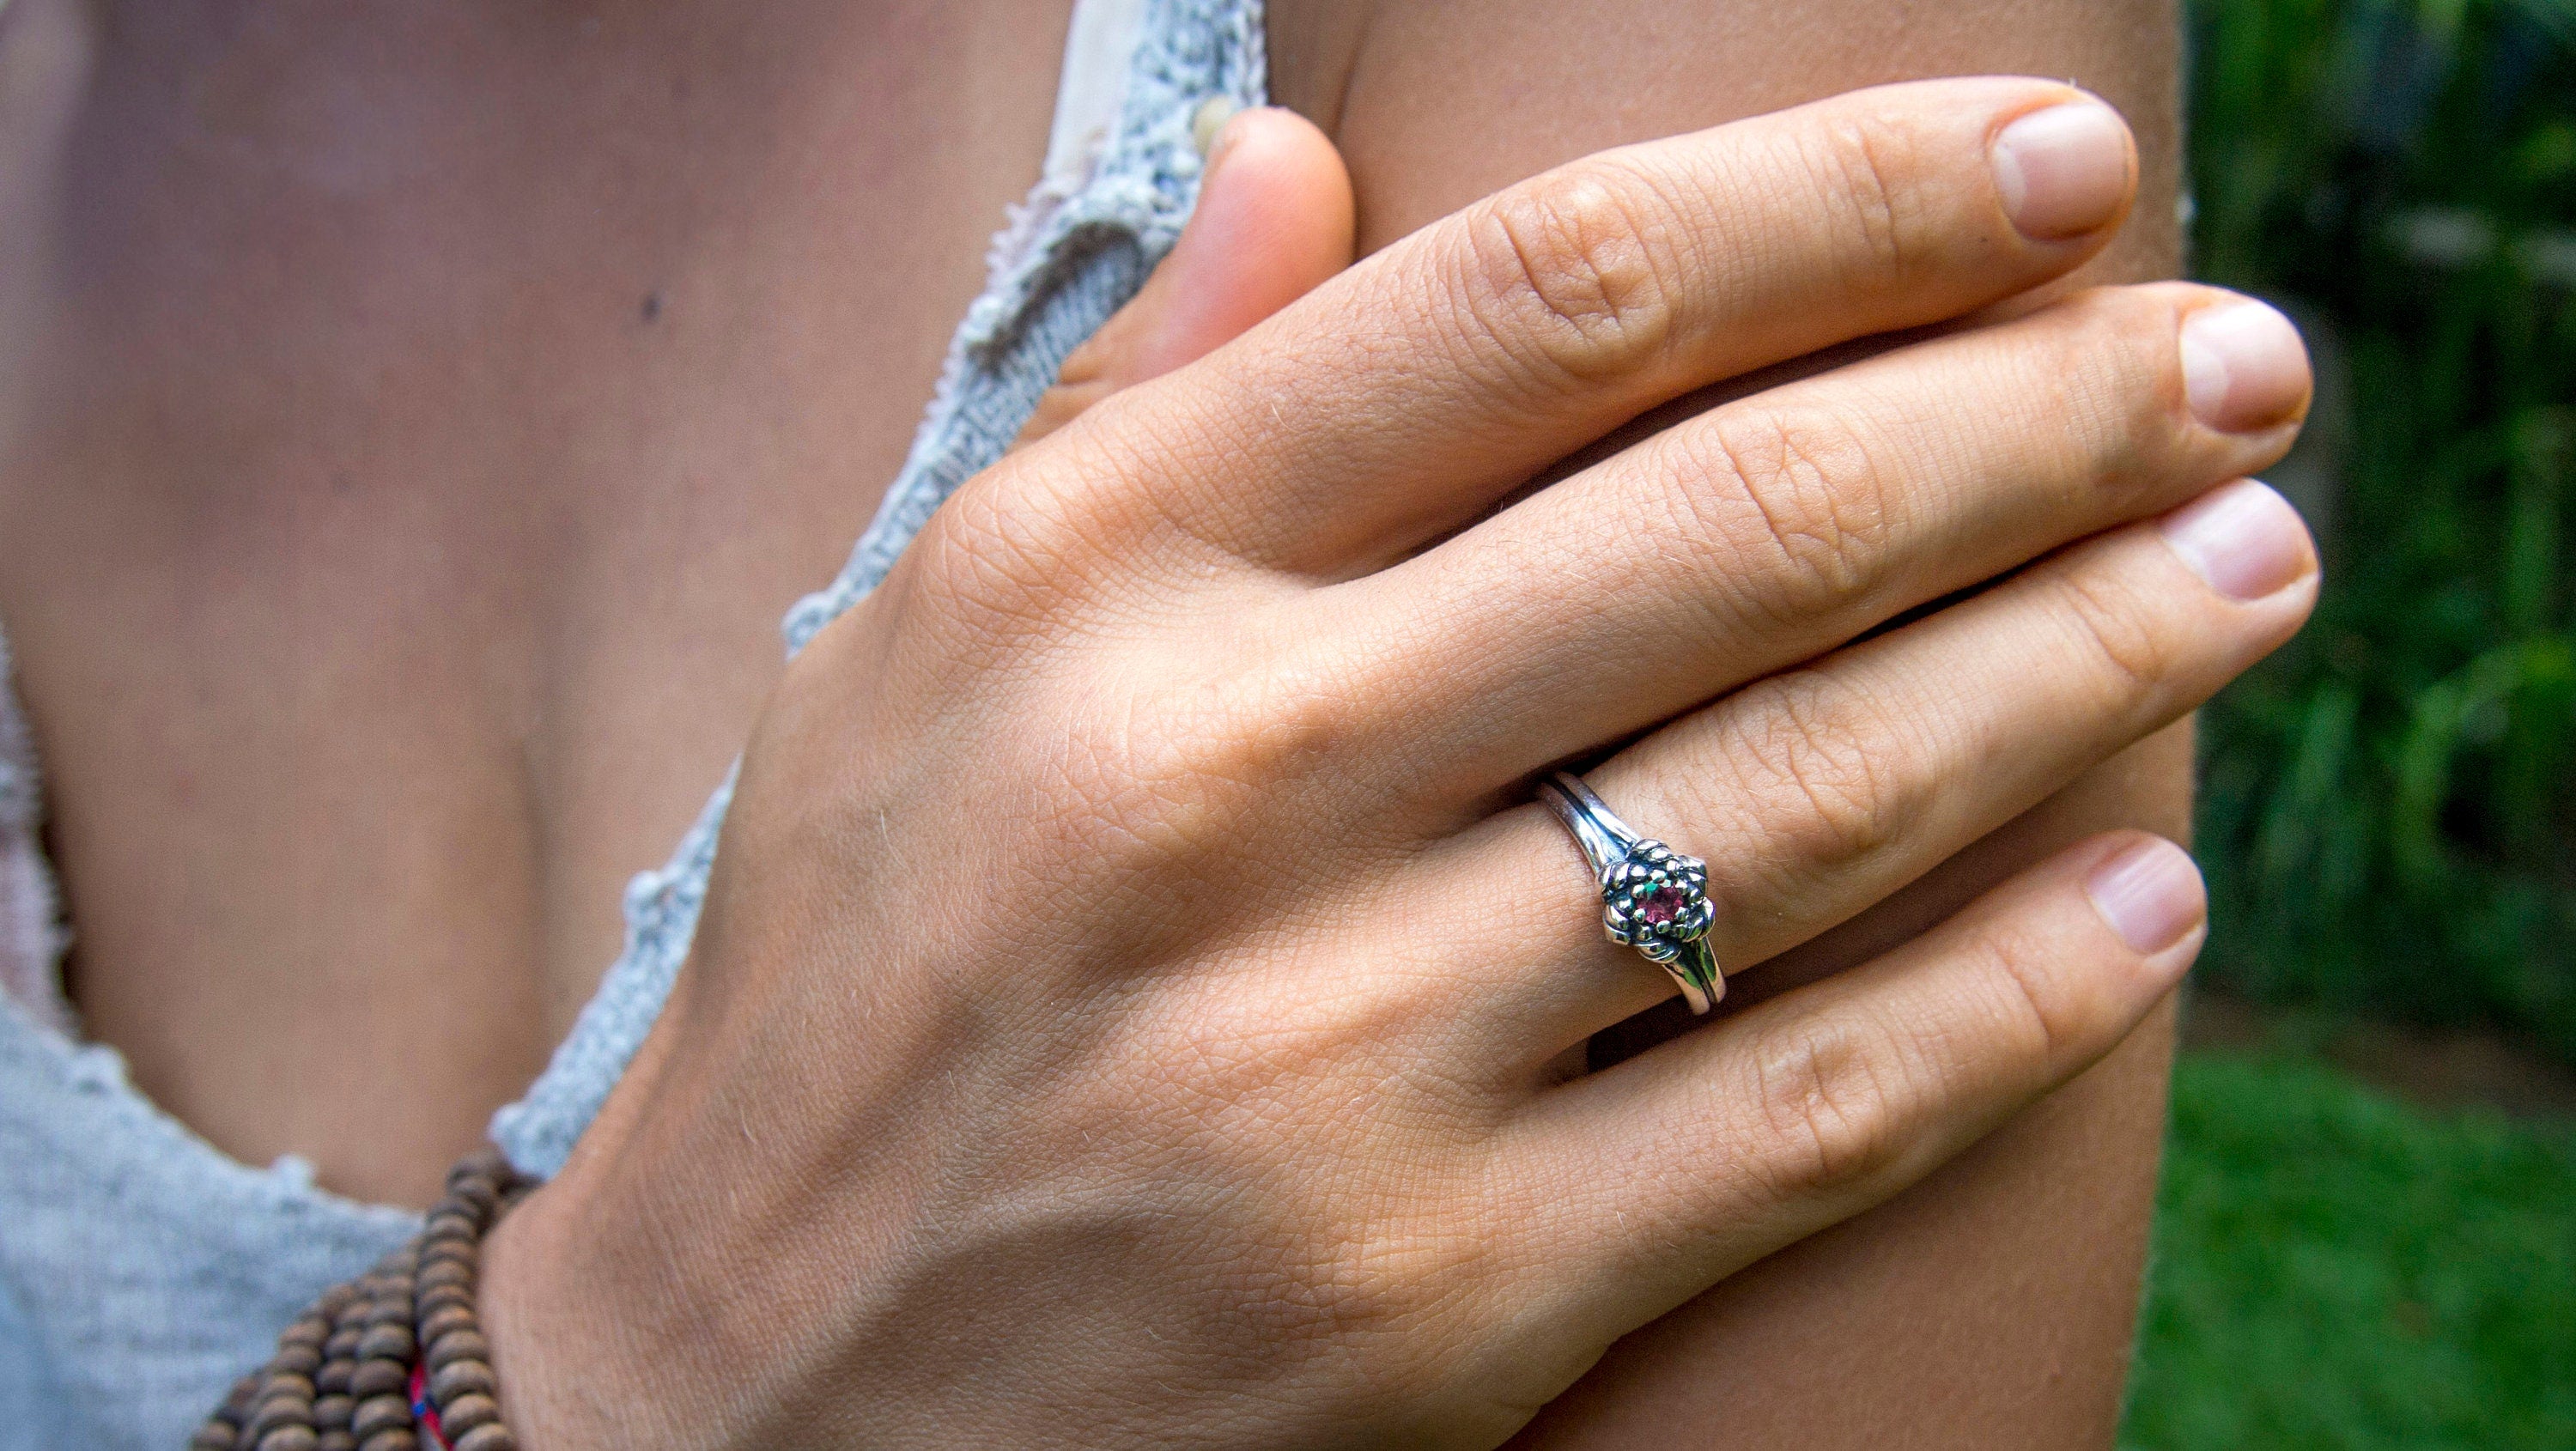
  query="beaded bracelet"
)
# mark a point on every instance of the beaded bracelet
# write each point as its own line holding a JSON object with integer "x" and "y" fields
{"x": 351, "y": 1373}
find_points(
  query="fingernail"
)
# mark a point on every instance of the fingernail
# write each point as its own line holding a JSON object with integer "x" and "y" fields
{"x": 2243, "y": 539}
{"x": 2150, "y": 894}
{"x": 1208, "y": 122}
{"x": 2063, "y": 171}
{"x": 2243, "y": 366}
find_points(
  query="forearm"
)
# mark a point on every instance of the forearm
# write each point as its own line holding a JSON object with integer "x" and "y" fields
{"x": 1990, "y": 1306}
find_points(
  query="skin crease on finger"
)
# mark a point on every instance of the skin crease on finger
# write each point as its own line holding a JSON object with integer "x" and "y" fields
{"x": 1850, "y": 1374}
{"x": 1991, "y": 1305}
{"x": 753, "y": 948}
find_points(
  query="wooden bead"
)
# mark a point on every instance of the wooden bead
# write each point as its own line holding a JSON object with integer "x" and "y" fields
{"x": 461, "y": 1378}
{"x": 467, "y": 1413}
{"x": 446, "y": 1257}
{"x": 439, "y": 1296}
{"x": 468, "y": 1249}
{"x": 286, "y": 1383}
{"x": 458, "y": 1345}
{"x": 445, "y": 1318}
{"x": 236, "y": 1406}
{"x": 385, "y": 1342}
{"x": 379, "y": 1378}
{"x": 340, "y": 1380}
{"x": 283, "y": 1411}
{"x": 376, "y": 1413}
{"x": 308, "y": 1329}
{"x": 475, "y": 1193}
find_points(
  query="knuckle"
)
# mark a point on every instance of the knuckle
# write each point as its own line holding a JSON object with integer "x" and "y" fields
{"x": 1381, "y": 1298}
{"x": 1045, "y": 533}
{"x": 2113, "y": 375}
{"x": 2115, "y": 624}
{"x": 1573, "y": 273}
{"x": 1258, "y": 726}
{"x": 1872, "y": 175}
{"x": 1386, "y": 1287}
{"x": 1195, "y": 769}
{"x": 1833, "y": 1104}
{"x": 1799, "y": 493}
{"x": 2026, "y": 1021}
{"x": 1830, "y": 774}
{"x": 998, "y": 552}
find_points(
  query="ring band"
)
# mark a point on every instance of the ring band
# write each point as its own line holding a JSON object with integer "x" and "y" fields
{"x": 1653, "y": 898}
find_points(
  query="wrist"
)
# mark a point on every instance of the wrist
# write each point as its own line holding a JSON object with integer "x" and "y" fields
{"x": 577, "y": 1367}
{"x": 598, "y": 1335}
{"x": 528, "y": 1356}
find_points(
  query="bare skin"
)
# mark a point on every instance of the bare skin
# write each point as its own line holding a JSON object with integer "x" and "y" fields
{"x": 593, "y": 638}
{"x": 559, "y": 349}
{"x": 1913, "y": 1325}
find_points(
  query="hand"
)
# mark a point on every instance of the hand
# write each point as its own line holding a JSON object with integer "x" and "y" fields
{"x": 1128, "y": 1004}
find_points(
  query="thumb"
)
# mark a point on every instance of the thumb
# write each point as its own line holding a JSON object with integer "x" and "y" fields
{"x": 1274, "y": 220}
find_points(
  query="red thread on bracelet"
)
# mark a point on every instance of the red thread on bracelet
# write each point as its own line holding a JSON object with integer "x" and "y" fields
{"x": 423, "y": 1413}
{"x": 392, "y": 1359}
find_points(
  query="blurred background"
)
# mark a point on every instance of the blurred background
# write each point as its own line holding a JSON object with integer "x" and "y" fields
{"x": 2368, "y": 1229}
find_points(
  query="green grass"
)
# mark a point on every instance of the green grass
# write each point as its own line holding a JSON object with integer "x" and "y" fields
{"x": 2338, "y": 1271}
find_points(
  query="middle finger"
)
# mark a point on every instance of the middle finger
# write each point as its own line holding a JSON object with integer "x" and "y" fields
{"x": 1777, "y": 527}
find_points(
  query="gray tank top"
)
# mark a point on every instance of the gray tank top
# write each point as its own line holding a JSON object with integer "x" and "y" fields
{"x": 142, "y": 1270}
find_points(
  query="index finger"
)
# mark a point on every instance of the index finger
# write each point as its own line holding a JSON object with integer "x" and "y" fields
{"x": 1402, "y": 398}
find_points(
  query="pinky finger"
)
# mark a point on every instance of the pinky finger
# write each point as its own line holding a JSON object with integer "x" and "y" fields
{"x": 1678, "y": 1167}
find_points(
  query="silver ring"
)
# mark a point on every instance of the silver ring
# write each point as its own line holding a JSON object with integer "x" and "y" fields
{"x": 1653, "y": 898}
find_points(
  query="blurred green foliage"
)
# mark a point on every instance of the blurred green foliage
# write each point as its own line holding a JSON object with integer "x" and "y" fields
{"x": 2389, "y": 806}
{"x": 2336, "y": 1271}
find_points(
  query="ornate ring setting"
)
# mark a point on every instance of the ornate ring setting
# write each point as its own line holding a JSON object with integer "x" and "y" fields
{"x": 1653, "y": 898}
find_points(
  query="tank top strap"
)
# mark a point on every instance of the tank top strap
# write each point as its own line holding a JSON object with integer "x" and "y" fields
{"x": 143, "y": 1268}
{"x": 31, "y": 935}
{"x": 1122, "y": 173}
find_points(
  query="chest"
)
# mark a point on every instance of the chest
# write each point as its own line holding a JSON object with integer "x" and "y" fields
{"x": 422, "y": 416}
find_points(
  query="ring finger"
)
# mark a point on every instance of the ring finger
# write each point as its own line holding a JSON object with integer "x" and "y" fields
{"x": 1816, "y": 793}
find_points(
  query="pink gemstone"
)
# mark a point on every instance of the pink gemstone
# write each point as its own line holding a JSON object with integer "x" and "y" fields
{"x": 1661, "y": 906}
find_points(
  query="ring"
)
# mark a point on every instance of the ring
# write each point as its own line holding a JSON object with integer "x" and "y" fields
{"x": 1653, "y": 898}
